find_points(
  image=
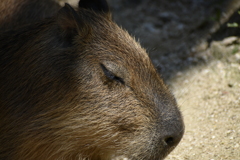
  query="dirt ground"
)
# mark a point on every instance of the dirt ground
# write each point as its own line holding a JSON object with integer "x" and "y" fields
{"x": 209, "y": 97}
{"x": 190, "y": 43}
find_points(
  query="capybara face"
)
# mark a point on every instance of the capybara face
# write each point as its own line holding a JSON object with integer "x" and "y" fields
{"x": 77, "y": 86}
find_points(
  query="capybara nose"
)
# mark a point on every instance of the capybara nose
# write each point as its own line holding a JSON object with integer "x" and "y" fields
{"x": 172, "y": 139}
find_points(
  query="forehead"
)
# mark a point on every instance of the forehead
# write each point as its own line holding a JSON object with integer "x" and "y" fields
{"x": 115, "y": 43}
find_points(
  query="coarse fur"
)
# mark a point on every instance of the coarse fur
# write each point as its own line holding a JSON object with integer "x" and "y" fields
{"x": 15, "y": 13}
{"x": 77, "y": 86}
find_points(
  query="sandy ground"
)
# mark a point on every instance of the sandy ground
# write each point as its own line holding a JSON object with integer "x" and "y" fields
{"x": 209, "y": 97}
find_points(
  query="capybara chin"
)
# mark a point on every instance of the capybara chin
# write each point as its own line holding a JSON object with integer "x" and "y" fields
{"x": 76, "y": 86}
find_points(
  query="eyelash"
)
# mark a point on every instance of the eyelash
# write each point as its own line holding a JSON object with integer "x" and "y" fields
{"x": 111, "y": 75}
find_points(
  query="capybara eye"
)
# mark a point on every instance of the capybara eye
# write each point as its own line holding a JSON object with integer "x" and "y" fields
{"x": 111, "y": 75}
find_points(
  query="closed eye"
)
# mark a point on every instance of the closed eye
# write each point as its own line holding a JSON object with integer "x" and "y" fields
{"x": 111, "y": 75}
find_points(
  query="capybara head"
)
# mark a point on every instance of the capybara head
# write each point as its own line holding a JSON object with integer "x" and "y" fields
{"x": 77, "y": 86}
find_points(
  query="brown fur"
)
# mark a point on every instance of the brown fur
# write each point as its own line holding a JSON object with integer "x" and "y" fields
{"x": 15, "y": 13}
{"x": 59, "y": 101}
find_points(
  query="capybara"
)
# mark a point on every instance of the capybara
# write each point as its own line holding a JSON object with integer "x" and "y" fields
{"x": 78, "y": 87}
{"x": 15, "y": 13}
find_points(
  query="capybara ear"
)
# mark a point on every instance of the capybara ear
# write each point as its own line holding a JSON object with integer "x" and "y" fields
{"x": 95, "y": 5}
{"x": 69, "y": 23}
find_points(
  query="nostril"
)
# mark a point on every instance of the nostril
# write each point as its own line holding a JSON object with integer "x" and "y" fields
{"x": 169, "y": 141}
{"x": 172, "y": 139}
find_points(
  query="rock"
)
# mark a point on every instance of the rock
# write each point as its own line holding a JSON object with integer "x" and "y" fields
{"x": 229, "y": 40}
{"x": 150, "y": 28}
{"x": 167, "y": 16}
